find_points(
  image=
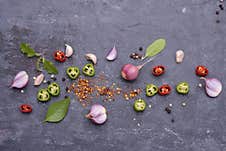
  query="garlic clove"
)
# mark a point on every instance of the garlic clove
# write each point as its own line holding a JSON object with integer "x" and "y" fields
{"x": 69, "y": 50}
{"x": 112, "y": 54}
{"x": 179, "y": 56}
{"x": 38, "y": 80}
{"x": 91, "y": 57}
{"x": 20, "y": 80}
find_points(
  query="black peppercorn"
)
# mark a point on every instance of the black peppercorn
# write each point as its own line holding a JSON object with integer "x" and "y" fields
{"x": 168, "y": 110}
{"x": 217, "y": 12}
{"x": 217, "y": 21}
{"x": 63, "y": 79}
{"x": 48, "y": 82}
{"x": 140, "y": 48}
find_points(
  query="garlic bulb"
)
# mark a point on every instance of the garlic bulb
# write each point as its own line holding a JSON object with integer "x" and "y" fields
{"x": 179, "y": 56}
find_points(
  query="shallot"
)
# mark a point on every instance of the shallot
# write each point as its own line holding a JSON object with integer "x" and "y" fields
{"x": 130, "y": 72}
{"x": 112, "y": 54}
{"x": 20, "y": 80}
{"x": 213, "y": 86}
{"x": 98, "y": 114}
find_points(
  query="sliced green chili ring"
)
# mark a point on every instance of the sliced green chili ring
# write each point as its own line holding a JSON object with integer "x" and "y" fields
{"x": 43, "y": 95}
{"x": 182, "y": 88}
{"x": 88, "y": 70}
{"x": 151, "y": 89}
{"x": 54, "y": 89}
{"x": 73, "y": 72}
{"x": 139, "y": 105}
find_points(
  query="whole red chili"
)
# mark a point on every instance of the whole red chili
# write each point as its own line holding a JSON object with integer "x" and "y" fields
{"x": 201, "y": 71}
{"x": 164, "y": 89}
{"x": 25, "y": 108}
{"x": 158, "y": 70}
{"x": 59, "y": 56}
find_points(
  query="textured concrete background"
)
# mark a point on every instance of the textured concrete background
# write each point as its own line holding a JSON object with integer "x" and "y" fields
{"x": 94, "y": 26}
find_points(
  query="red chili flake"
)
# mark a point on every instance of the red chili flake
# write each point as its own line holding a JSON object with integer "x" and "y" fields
{"x": 158, "y": 70}
{"x": 25, "y": 108}
{"x": 201, "y": 71}
{"x": 164, "y": 89}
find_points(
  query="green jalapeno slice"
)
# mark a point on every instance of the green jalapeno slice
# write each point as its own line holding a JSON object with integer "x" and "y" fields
{"x": 182, "y": 88}
{"x": 73, "y": 72}
{"x": 139, "y": 105}
{"x": 151, "y": 89}
{"x": 88, "y": 70}
{"x": 43, "y": 95}
{"x": 54, "y": 89}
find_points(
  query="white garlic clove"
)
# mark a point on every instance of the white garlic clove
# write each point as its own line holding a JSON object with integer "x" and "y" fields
{"x": 69, "y": 50}
{"x": 38, "y": 80}
{"x": 179, "y": 56}
{"x": 91, "y": 57}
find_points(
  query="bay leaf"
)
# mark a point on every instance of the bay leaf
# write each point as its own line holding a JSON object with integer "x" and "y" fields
{"x": 57, "y": 111}
{"x": 155, "y": 48}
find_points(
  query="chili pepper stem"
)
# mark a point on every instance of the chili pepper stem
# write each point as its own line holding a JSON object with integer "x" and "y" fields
{"x": 142, "y": 65}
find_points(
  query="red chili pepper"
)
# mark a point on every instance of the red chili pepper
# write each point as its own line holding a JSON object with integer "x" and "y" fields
{"x": 158, "y": 70}
{"x": 25, "y": 108}
{"x": 201, "y": 71}
{"x": 59, "y": 56}
{"x": 164, "y": 89}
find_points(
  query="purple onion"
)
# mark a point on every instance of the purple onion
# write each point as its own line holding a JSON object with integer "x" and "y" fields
{"x": 98, "y": 114}
{"x": 129, "y": 72}
{"x": 213, "y": 86}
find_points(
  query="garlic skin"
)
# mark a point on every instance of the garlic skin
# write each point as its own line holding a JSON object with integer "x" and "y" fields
{"x": 92, "y": 57}
{"x": 68, "y": 51}
{"x": 179, "y": 56}
{"x": 38, "y": 80}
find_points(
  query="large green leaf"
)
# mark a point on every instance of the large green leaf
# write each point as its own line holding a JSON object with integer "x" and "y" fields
{"x": 49, "y": 67}
{"x": 57, "y": 110}
{"x": 156, "y": 47}
{"x": 27, "y": 50}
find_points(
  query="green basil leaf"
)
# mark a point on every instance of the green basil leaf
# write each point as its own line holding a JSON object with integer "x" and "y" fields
{"x": 156, "y": 47}
{"x": 49, "y": 67}
{"x": 27, "y": 50}
{"x": 57, "y": 110}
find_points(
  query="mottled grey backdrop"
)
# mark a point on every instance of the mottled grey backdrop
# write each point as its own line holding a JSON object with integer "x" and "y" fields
{"x": 94, "y": 26}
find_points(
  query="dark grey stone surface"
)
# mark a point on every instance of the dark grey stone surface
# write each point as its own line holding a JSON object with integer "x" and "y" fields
{"x": 94, "y": 26}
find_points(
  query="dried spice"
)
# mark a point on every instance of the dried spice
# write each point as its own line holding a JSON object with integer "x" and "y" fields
{"x": 135, "y": 56}
{"x": 87, "y": 89}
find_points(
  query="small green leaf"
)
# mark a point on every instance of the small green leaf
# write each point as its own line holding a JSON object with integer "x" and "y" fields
{"x": 156, "y": 47}
{"x": 57, "y": 110}
{"x": 49, "y": 67}
{"x": 27, "y": 50}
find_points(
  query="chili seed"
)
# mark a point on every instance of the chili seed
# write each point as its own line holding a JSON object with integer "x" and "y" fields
{"x": 168, "y": 110}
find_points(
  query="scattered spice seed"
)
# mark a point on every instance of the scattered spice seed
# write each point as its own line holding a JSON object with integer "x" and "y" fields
{"x": 52, "y": 76}
{"x": 44, "y": 81}
{"x": 140, "y": 48}
{"x": 150, "y": 106}
{"x": 183, "y": 104}
{"x": 170, "y": 105}
{"x": 54, "y": 79}
{"x": 221, "y": 6}
{"x": 172, "y": 120}
{"x": 217, "y": 21}
{"x": 63, "y": 79}
{"x": 168, "y": 110}
{"x": 48, "y": 82}
{"x": 66, "y": 89}
{"x": 200, "y": 85}
{"x": 34, "y": 78}
{"x": 217, "y": 12}
{"x": 22, "y": 91}
{"x": 65, "y": 96}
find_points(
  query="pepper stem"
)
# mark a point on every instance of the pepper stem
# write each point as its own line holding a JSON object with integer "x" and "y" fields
{"x": 142, "y": 65}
